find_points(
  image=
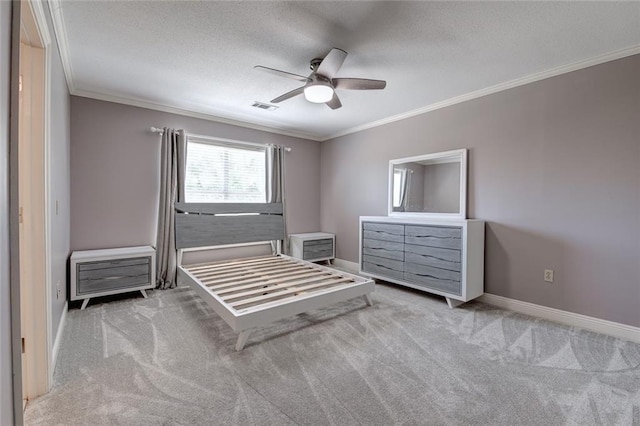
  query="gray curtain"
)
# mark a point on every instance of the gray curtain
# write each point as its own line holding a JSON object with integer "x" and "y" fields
{"x": 275, "y": 182}
{"x": 172, "y": 165}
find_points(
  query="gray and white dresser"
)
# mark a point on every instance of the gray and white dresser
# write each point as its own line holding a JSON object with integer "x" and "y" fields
{"x": 110, "y": 271}
{"x": 444, "y": 257}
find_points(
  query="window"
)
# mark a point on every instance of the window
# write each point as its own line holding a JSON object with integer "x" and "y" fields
{"x": 224, "y": 172}
{"x": 397, "y": 188}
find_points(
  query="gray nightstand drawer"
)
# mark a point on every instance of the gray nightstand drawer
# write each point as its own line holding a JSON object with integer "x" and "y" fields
{"x": 322, "y": 241}
{"x": 315, "y": 251}
{"x": 111, "y": 275}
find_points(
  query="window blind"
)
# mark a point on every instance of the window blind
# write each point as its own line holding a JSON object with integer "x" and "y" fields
{"x": 223, "y": 173}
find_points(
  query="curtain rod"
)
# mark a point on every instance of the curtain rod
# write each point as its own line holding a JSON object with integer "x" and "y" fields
{"x": 160, "y": 131}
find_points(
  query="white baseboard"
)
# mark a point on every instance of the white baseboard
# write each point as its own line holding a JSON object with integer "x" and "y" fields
{"x": 56, "y": 342}
{"x": 610, "y": 328}
{"x": 598, "y": 325}
{"x": 348, "y": 266}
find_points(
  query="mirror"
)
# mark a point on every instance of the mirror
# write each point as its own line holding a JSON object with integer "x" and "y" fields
{"x": 432, "y": 185}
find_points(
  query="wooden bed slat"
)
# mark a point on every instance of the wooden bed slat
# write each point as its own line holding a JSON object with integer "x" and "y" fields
{"x": 230, "y": 264}
{"x": 254, "y": 282}
{"x": 274, "y": 288}
{"x": 242, "y": 271}
{"x": 247, "y": 276}
{"x": 295, "y": 291}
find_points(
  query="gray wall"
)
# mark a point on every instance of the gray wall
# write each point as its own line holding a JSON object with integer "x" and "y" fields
{"x": 6, "y": 390}
{"x": 115, "y": 172}
{"x": 553, "y": 169}
{"x": 59, "y": 180}
{"x": 441, "y": 188}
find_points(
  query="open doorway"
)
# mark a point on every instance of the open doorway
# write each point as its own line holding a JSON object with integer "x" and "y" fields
{"x": 30, "y": 195}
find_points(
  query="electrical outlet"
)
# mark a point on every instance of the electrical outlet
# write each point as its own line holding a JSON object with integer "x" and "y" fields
{"x": 58, "y": 290}
{"x": 548, "y": 275}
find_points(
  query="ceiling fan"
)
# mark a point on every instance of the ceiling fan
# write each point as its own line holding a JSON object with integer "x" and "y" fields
{"x": 321, "y": 83}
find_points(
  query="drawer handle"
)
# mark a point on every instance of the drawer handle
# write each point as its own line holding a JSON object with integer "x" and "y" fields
{"x": 435, "y": 278}
{"x": 436, "y": 257}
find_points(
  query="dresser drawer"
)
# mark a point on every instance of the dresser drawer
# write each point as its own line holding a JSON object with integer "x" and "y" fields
{"x": 386, "y": 249}
{"x": 433, "y": 278}
{"x": 105, "y": 276}
{"x": 382, "y": 267}
{"x": 433, "y": 256}
{"x": 434, "y": 236}
{"x": 430, "y": 271}
{"x": 383, "y": 231}
{"x": 446, "y": 286}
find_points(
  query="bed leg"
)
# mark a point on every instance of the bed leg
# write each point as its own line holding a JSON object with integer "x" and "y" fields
{"x": 367, "y": 299}
{"x": 242, "y": 339}
{"x": 144, "y": 293}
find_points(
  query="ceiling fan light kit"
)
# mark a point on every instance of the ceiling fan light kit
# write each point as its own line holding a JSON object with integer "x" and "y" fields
{"x": 320, "y": 85}
{"x": 318, "y": 92}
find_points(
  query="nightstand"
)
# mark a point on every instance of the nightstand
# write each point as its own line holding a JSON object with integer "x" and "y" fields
{"x": 110, "y": 271}
{"x": 314, "y": 247}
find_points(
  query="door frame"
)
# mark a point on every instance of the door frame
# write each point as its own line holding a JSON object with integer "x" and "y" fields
{"x": 30, "y": 15}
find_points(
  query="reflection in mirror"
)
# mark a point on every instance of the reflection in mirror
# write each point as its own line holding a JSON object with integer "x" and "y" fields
{"x": 430, "y": 184}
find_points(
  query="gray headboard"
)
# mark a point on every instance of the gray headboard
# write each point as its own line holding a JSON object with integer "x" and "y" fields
{"x": 214, "y": 224}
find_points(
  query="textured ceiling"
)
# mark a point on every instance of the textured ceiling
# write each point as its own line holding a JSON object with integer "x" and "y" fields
{"x": 199, "y": 56}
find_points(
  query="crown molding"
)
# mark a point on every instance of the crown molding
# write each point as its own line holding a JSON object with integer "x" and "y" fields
{"x": 61, "y": 37}
{"x": 55, "y": 7}
{"x": 43, "y": 27}
{"x": 618, "y": 54}
{"x": 188, "y": 113}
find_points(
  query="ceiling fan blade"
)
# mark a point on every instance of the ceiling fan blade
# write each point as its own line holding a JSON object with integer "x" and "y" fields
{"x": 334, "y": 103}
{"x": 283, "y": 73}
{"x": 358, "y": 84}
{"x": 291, "y": 94}
{"x": 331, "y": 63}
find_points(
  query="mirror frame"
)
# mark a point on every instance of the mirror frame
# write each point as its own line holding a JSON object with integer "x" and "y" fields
{"x": 462, "y": 154}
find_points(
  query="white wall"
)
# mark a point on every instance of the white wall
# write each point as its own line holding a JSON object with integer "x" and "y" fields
{"x": 60, "y": 190}
{"x": 59, "y": 181}
{"x": 6, "y": 384}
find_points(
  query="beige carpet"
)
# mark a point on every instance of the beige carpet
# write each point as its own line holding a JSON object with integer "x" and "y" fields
{"x": 409, "y": 359}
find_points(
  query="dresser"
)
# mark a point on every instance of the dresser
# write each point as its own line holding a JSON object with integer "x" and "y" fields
{"x": 110, "y": 271}
{"x": 313, "y": 246}
{"x": 444, "y": 257}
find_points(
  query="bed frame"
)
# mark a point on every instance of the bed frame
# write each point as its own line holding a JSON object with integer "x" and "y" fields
{"x": 255, "y": 291}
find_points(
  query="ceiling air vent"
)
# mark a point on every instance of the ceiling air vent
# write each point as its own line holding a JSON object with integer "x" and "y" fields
{"x": 264, "y": 106}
